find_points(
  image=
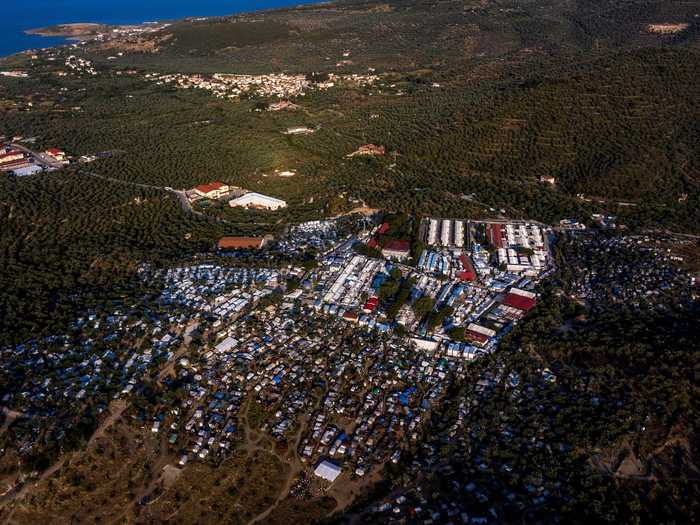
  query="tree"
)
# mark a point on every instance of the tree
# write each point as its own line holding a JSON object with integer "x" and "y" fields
{"x": 422, "y": 306}
{"x": 456, "y": 333}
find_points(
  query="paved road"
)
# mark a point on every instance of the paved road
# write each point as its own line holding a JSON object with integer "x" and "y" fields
{"x": 181, "y": 196}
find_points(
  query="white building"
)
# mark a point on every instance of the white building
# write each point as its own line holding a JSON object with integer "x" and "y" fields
{"x": 226, "y": 345}
{"x": 257, "y": 200}
{"x": 327, "y": 470}
{"x": 459, "y": 234}
{"x": 446, "y": 232}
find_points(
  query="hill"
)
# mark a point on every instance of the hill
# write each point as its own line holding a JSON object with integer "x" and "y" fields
{"x": 545, "y": 110}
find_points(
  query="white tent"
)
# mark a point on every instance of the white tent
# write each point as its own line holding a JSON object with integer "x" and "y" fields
{"x": 226, "y": 345}
{"x": 327, "y": 470}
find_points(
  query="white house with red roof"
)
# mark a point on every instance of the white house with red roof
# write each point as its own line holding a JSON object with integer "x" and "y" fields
{"x": 56, "y": 154}
{"x": 213, "y": 190}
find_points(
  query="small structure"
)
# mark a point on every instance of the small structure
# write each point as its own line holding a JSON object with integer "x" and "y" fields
{"x": 257, "y": 200}
{"x": 371, "y": 150}
{"x": 299, "y": 130}
{"x": 327, "y": 470}
{"x": 282, "y": 104}
{"x": 548, "y": 179}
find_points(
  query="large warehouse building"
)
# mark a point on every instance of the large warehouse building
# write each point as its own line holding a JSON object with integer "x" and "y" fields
{"x": 257, "y": 200}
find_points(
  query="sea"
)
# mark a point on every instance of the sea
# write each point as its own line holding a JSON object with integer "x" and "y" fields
{"x": 16, "y": 16}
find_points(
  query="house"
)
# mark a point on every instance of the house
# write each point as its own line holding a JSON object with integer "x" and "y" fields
{"x": 371, "y": 305}
{"x": 56, "y": 154}
{"x": 370, "y": 150}
{"x": 241, "y": 243}
{"x": 257, "y": 200}
{"x": 548, "y": 179}
{"x": 327, "y": 470}
{"x": 282, "y": 104}
{"x": 353, "y": 317}
{"x": 397, "y": 249}
{"x": 425, "y": 344}
{"x": 213, "y": 190}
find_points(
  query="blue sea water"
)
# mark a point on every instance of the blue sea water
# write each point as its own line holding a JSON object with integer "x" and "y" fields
{"x": 16, "y": 16}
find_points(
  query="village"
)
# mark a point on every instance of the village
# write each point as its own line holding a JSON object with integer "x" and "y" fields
{"x": 271, "y": 85}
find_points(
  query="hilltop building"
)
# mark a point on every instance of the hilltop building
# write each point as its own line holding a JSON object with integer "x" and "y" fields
{"x": 213, "y": 190}
{"x": 371, "y": 150}
{"x": 56, "y": 154}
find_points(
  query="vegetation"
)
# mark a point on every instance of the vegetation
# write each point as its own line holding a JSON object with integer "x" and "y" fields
{"x": 475, "y": 103}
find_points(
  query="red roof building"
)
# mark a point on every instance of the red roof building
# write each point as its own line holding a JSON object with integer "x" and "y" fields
{"x": 467, "y": 273}
{"x": 241, "y": 243}
{"x": 370, "y": 305}
{"x": 478, "y": 334}
{"x": 213, "y": 190}
{"x": 55, "y": 152}
{"x": 476, "y": 337}
{"x": 520, "y": 299}
{"x": 351, "y": 316}
{"x": 11, "y": 156}
{"x": 494, "y": 235}
{"x": 383, "y": 228}
{"x": 397, "y": 249}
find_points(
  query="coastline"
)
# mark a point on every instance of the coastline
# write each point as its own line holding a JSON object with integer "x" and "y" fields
{"x": 69, "y": 30}
{"x": 21, "y": 35}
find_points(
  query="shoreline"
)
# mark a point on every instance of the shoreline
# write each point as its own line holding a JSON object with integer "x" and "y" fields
{"x": 75, "y": 30}
{"x": 65, "y": 33}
